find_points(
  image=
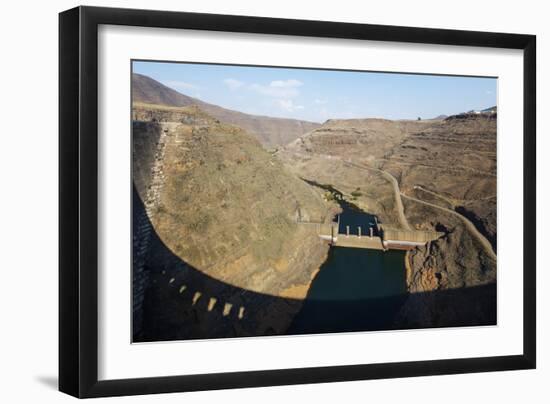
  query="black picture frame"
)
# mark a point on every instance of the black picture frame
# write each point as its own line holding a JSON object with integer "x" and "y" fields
{"x": 78, "y": 201}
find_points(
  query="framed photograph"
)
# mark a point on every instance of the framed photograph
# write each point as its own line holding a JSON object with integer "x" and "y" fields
{"x": 251, "y": 201}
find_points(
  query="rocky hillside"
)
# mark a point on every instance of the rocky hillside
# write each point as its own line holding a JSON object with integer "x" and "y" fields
{"x": 225, "y": 216}
{"x": 271, "y": 132}
{"x": 358, "y": 139}
{"x": 331, "y": 155}
{"x": 451, "y": 163}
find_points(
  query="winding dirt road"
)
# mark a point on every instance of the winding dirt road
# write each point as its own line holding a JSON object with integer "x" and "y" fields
{"x": 397, "y": 193}
{"x": 403, "y": 219}
{"x": 469, "y": 225}
{"x": 449, "y": 201}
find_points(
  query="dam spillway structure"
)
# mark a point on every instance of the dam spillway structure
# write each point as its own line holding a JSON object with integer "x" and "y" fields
{"x": 375, "y": 237}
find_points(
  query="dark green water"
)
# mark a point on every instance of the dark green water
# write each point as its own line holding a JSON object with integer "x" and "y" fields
{"x": 355, "y": 289}
{"x": 354, "y": 218}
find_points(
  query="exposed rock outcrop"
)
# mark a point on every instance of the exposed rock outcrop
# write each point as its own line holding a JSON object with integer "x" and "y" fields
{"x": 452, "y": 280}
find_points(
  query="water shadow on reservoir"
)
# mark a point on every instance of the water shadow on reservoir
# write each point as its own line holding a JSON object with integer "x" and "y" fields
{"x": 355, "y": 290}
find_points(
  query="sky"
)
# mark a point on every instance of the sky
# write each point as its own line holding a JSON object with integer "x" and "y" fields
{"x": 318, "y": 95}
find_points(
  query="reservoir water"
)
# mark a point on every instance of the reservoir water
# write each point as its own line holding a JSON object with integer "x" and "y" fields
{"x": 355, "y": 289}
{"x": 353, "y": 217}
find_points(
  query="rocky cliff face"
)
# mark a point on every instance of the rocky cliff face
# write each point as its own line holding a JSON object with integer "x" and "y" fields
{"x": 225, "y": 233}
{"x": 452, "y": 280}
{"x": 271, "y": 132}
{"x": 442, "y": 265}
{"x": 451, "y": 283}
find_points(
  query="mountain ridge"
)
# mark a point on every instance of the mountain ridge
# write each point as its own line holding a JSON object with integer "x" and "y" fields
{"x": 270, "y": 131}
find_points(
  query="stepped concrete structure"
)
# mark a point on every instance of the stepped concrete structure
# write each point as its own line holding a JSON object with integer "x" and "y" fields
{"x": 378, "y": 237}
{"x": 142, "y": 233}
{"x": 399, "y": 239}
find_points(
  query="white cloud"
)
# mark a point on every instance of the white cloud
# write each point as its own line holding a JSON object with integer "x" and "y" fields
{"x": 283, "y": 92}
{"x": 181, "y": 85}
{"x": 286, "y": 83}
{"x": 320, "y": 101}
{"x": 284, "y": 89}
{"x": 288, "y": 105}
{"x": 233, "y": 84}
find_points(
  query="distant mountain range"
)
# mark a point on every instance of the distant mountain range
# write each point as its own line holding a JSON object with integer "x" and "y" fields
{"x": 271, "y": 132}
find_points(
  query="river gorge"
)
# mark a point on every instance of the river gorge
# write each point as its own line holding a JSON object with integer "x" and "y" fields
{"x": 355, "y": 289}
